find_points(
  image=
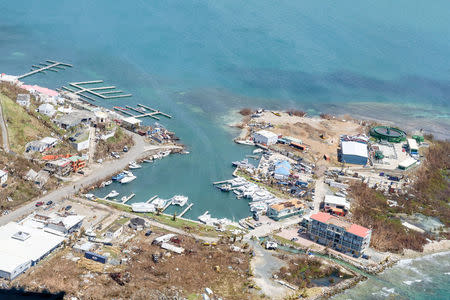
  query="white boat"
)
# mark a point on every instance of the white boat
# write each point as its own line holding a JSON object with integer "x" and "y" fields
{"x": 179, "y": 200}
{"x": 157, "y": 156}
{"x": 108, "y": 182}
{"x": 90, "y": 196}
{"x": 128, "y": 178}
{"x": 148, "y": 160}
{"x": 159, "y": 203}
{"x": 256, "y": 151}
{"x": 112, "y": 194}
{"x": 134, "y": 165}
{"x": 245, "y": 142}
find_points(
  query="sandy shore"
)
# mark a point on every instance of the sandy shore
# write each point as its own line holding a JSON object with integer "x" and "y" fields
{"x": 430, "y": 248}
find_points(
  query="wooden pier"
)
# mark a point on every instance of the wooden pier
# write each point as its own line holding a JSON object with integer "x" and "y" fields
{"x": 142, "y": 111}
{"x": 128, "y": 198}
{"x": 49, "y": 65}
{"x": 185, "y": 211}
{"x": 103, "y": 92}
{"x": 151, "y": 199}
{"x": 167, "y": 206}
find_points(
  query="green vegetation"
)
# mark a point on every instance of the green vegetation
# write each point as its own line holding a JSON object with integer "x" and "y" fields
{"x": 22, "y": 128}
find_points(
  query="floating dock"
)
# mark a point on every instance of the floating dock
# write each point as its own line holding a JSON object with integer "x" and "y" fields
{"x": 142, "y": 111}
{"x": 219, "y": 182}
{"x": 151, "y": 199}
{"x": 185, "y": 211}
{"x": 49, "y": 65}
{"x": 128, "y": 198}
{"x": 103, "y": 92}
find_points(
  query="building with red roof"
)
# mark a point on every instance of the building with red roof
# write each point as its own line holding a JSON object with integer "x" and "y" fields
{"x": 339, "y": 234}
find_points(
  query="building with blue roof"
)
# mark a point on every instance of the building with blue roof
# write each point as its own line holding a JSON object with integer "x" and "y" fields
{"x": 282, "y": 170}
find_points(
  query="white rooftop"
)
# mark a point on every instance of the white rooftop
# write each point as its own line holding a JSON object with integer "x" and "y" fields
{"x": 336, "y": 200}
{"x": 48, "y": 140}
{"x": 267, "y": 134}
{"x": 15, "y": 252}
{"x": 407, "y": 163}
{"x": 412, "y": 144}
{"x": 354, "y": 148}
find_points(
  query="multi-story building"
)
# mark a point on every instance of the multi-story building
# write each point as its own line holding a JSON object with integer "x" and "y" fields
{"x": 285, "y": 209}
{"x": 338, "y": 234}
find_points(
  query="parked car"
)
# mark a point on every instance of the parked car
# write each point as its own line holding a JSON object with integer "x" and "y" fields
{"x": 68, "y": 207}
{"x": 81, "y": 172}
{"x": 125, "y": 149}
{"x": 39, "y": 203}
{"x": 50, "y": 202}
{"x": 148, "y": 233}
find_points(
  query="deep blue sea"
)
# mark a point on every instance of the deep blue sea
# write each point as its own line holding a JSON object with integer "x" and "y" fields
{"x": 200, "y": 61}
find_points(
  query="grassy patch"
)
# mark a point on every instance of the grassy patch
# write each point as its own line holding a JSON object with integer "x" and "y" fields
{"x": 22, "y": 128}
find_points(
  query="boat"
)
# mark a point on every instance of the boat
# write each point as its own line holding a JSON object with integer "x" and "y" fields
{"x": 108, "y": 182}
{"x": 157, "y": 156}
{"x": 112, "y": 194}
{"x": 225, "y": 187}
{"x": 118, "y": 176}
{"x": 128, "y": 178}
{"x": 134, "y": 165}
{"x": 147, "y": 160}
{"x": 256, "y": 151}
{"x": 179, "y": 200}
{"x": 159, "y": 203}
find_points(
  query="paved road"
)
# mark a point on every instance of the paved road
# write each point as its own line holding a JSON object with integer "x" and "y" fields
{"x": 4, "y": 130}
{"x": 319, "y": 195}
{"x": 107, "y": 169}
{"x": 152, "y": 222}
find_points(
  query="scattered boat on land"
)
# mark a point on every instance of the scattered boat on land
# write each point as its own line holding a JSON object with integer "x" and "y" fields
{"x": 134, "y": 165}
{"x": 179, "y": 200}
{"x": 112, "y": 194}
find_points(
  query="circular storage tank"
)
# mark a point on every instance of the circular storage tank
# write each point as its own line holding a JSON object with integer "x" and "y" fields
{"x": 387, "y": 133}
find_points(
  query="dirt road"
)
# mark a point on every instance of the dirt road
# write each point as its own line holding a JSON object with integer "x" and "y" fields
{"x": 139, "y": 150}
{"x": 4, "y": 130}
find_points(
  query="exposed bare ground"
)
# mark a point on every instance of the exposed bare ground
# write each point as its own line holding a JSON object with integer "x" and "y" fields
{"x": 216, "y": 267}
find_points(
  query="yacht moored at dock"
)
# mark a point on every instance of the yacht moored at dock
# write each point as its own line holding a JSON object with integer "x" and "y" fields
{"x": 112, "y": 194}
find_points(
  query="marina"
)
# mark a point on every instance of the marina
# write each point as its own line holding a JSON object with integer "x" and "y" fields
{"x": 125, "y": 199}
{"x": 142, "y": 111}
{"x": 49, "y": 65}
{"x": 83, "y": 87}
{"x": 186, "y": 209}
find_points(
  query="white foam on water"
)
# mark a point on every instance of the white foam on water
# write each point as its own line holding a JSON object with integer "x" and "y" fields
{"x": 408, "y": 282}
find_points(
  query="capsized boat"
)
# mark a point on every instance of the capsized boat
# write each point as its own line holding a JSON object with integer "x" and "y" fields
{"x": 179, "y": 200}
{"x": 112, "y": 194}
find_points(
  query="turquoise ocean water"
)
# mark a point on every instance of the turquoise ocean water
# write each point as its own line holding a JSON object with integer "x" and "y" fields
{"x": 201, "y": 60}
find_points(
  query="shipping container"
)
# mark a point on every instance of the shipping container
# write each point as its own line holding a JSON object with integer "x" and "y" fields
{"x": 95, "y": 257}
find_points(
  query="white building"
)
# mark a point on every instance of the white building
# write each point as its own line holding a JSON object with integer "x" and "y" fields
{"x": 142, "y": 207}
{"x": 131, "y": 123}
{"x": 114, "y": 231}
{"x": 354, "y": 152}
{"x": 46, "y": 109}
{"x": 265, "y": 137}
{"x": 412, "y": 146}
{"x": 22, "y": 247}
{"x": 3, "y": 176}
{"x": 337, "y": 202}
{"x": 407, "y": 163}
{"x": 23, "y": 100}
